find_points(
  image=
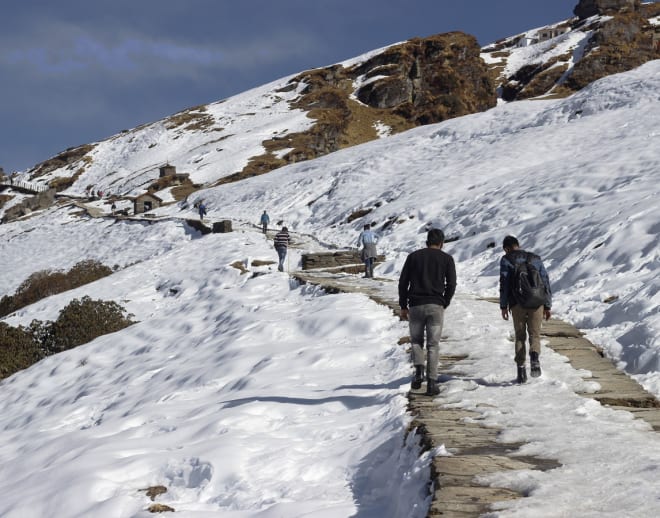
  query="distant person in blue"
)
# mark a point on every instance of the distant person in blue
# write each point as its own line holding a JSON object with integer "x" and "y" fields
{"x": 201, "y": 208}
{"x": 367, "y": 240}
{"x": 281, "y": 243}
{"x": 526, "y": 320}
{"x": 264, "y": 221}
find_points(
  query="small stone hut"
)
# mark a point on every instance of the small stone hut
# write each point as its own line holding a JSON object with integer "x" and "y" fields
{"x": 146, "y": 202}
{"x": 167, "y": 170}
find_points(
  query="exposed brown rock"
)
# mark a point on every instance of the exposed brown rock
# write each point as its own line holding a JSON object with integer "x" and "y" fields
{"x": 421, "y": 81}
{"x": 429, "y": 80}
{"x": 587, "y": 8}
{"x": 621, "y": 44}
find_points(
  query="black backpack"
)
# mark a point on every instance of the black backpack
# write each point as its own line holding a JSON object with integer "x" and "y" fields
{"x": 528, "y": 287}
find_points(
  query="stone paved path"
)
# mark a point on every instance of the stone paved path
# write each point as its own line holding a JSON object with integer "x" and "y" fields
{"x": 476, "y": 449}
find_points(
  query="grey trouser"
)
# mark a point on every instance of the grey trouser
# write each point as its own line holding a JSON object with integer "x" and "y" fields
{"x": 429, "y": 318}
{"x": 526, "y": 321}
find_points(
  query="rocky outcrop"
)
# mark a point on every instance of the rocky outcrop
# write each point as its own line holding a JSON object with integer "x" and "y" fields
{"x": 587, "y": 8}
{"x": 421, "y": 81}
{"x": 43, "y": 200}
{"x": 428, "y": 80}
{"x": 619, "y": 42}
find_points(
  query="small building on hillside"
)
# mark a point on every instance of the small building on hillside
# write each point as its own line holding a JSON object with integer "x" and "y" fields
{"x": 542, "y": 35}
{"x": 146, "y": 202}
{"x": 552, "y": 32}
{"x": 167, "y": 170}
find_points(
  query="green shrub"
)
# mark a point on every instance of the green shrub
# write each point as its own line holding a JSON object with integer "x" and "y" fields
{"x": 87, "y": 271}
{"x": 45, "y": 283}
{"x": 81, "y": 321}
{"x": 17, "y": 350}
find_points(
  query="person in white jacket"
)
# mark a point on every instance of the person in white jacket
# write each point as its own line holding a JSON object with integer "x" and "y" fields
{"x": 367, "y": 240}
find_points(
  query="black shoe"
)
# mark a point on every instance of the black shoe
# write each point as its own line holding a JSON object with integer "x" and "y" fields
{"x": 535, "y": 365}
{"x": 522, "y": 374}
{"x": 432, "y": 388}
{"x": 418, "y": 378}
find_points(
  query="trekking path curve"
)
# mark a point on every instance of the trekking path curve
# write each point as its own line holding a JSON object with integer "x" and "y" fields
{"x": 467, "y": 447}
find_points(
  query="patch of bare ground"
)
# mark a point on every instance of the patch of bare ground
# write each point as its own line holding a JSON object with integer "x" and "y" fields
{"x": 68, "y": 158}
{"x": 192, "y": 119}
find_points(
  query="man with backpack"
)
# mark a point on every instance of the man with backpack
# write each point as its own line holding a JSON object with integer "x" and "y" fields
{"x": 525, "y": 293}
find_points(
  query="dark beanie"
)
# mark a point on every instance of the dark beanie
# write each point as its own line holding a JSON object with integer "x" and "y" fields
{"x": 435, "y": 237}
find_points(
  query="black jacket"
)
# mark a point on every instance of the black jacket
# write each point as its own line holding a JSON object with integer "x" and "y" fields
{"x": 428, "y": 277}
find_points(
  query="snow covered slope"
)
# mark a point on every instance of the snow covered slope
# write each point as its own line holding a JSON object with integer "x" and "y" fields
{"x": 250, "y": 396}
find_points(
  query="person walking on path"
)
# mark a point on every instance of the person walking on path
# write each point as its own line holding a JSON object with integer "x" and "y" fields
{"x": 264, "y": 221}
{"x": 281, "y": 242}
{"x": 525, "y": 294}
{"x": 367, "y": 239}
{"x": 201, "y": 208}
{"x": 426, "y": 287}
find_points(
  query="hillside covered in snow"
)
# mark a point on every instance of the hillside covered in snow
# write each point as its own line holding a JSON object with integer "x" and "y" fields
{"x": 248, "y": 395}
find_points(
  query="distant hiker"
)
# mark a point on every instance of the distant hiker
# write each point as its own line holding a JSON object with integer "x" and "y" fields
{"x": 367, "y": 239}
{"x": 426, "y": 287}
{"x": 113, "y": 207}
{"x": 525, "y": 292}
{"x": 264, "y": 222}
{"x": 281, "y": 243}
{"x": 201, "y": 208}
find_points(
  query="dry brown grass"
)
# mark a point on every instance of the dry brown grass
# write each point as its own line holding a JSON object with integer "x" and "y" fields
{"x": 63, "y": 159}
{"x": 154, "y": 491}
{"x": 239, "y": 266}
{"x": 181, "y": 192}
{"x": 260, "y": 262}
{"x": 193, "y": 119}
{"x": 4, "y": 198}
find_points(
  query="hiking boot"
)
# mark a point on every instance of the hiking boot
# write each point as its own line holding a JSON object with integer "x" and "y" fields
{"x": 418, "y": 378}
{"x": 432, "y": 388}
{"x": 535, "y": 365}
{"x": 522, "y": 374}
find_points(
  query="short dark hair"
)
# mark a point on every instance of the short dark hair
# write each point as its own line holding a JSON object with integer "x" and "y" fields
{"x": 367, "y": 226}
{"x": 435, "y": 237}
{"x": 510, "y": 242}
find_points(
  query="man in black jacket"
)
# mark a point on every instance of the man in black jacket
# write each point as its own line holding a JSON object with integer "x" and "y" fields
{"x": 426, "y": 287}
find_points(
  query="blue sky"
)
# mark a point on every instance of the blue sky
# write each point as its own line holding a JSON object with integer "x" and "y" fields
{"x": 74, "y": 71}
